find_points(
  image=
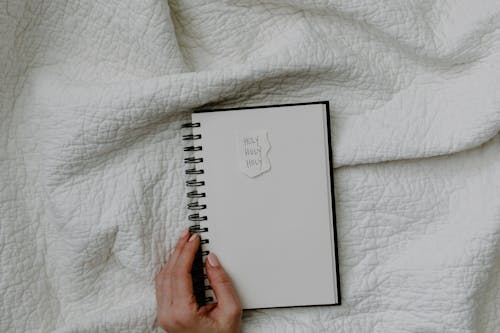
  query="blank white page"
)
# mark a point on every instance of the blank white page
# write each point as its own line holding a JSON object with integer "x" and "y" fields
{"x": 273, "y": 233}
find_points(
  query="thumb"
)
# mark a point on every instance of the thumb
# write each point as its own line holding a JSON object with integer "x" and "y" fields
{"x": 227, "y": 299}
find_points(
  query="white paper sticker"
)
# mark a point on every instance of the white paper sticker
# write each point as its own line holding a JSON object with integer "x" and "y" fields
{"x": 253, "y": 148}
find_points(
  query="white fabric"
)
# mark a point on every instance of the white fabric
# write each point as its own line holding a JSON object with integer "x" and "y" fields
{"x": 91, "y": 170}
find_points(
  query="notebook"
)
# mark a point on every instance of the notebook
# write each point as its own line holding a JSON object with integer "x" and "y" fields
{"x": 260, "y": 189}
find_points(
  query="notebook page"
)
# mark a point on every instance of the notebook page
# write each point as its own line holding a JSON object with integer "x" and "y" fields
{"x": 273, "y": 232}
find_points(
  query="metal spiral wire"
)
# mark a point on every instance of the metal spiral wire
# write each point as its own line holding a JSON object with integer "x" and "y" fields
{"x": 197, "y": 271}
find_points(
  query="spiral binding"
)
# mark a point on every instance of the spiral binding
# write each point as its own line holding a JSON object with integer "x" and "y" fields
{"x": 197, "y": 272}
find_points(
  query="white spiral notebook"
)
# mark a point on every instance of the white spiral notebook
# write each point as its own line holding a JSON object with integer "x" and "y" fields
{"x": 260, "y": 185}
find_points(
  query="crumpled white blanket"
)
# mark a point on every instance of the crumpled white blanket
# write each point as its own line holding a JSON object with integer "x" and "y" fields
{"x": 92, "y": 95}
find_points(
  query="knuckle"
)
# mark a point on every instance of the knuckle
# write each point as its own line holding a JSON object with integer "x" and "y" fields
{"x": 178, "y": 274}
{"x": 234, "y": 311}
{"x": 164, "y": 323}
{"x": 182, "y": 318}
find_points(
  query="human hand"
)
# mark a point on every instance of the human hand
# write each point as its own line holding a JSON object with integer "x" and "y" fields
{"x": 178, "y": 311}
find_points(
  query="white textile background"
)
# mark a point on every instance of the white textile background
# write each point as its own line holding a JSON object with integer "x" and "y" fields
{"x": 92, "y": 95}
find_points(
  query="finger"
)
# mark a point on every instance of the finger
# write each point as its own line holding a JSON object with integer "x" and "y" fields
{"x": 181, "y": 272}
{"x": 163, "y": 280}
{"x": 163, "y": 293}
{"x": 227, "y": 299}
{"x": 178, "y": 248}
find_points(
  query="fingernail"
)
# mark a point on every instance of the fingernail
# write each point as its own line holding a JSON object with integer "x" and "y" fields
{"x": 212, "y": 260}
{"x": 185, "y": 233}
{"x": 193, "y": 237}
